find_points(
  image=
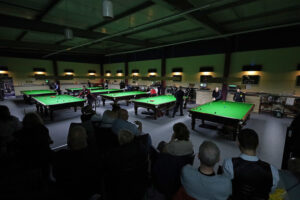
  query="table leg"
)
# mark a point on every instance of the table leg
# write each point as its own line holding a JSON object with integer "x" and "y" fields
{"x": 46, "y": 111}
{"x": 155, "y": 114}
{"x": 51, "y": 115}
{"x": 127, "y": 103}
{"x": 135, "y": 110}
{"x": 167, "y": 112}
{"x": 103, "y": 102}
{"x": 75, "y": 108}
{"x": 193, "y": 122}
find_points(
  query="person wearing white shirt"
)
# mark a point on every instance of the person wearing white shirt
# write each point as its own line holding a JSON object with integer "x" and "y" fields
{"x": 251, "y": 177}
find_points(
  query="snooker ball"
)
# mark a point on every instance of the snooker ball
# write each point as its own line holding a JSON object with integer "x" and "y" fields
{"x": 215, "y": 112}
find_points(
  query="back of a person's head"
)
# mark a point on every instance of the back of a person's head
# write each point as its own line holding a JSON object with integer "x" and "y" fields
{"x": 116, "y": 108}
{"x": 108, "y": 117}
{"x": 32, "y": 120}
{"x": 77, "y": 138}
{"x": 209, "y": 153}
{"x": 125, "y": 137}
{"x": 248, "y": 139}
{"x": 123, "y": 114}
{"x": 181, "y": 131}
{"x": 4, "y": 113}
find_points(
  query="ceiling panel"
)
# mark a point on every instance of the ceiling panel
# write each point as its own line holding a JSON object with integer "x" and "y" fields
{"x": 48, "y": 38}
{"x": 222, "y": 16}
{"x": 262, "y": 22}
{"x": 20, "y": 8}
{"x": 9, "y": 33}
{"x": 144, "y": 16}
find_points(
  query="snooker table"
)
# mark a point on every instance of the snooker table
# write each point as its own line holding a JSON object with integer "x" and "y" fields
{"x": 77, "y": 90}
{"x": 157, "y": 103}
{"x": 46, "y": 104}
{"x": 28, "y": 94}
{"x": 115, "y": 97}
{"x": 234, "y": 114}
{"x": 103, "y": 91}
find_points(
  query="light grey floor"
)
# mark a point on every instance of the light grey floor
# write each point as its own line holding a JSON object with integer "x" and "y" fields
{"x": 271, "y": 130}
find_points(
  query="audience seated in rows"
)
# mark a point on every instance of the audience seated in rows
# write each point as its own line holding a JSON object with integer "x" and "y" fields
{"x": 126, "y": 168}
{"x": 76, "y": 169}
{"x": 108, "y": 118}
{"x": 203, "y": 183}
{"x": 9, "y": 124}
{"x": 251, "y": 177}
{"x": 25, "y": 170}
{"x": 179, "y": 144}
{"x": 123, "y": 123}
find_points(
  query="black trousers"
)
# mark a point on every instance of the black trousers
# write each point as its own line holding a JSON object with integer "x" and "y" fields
{"x": 180, "y": 105}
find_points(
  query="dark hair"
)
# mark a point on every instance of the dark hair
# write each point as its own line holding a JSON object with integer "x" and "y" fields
{"x": 4, "y": 113}
{"x": 248, "y": 139}
{"x": 31, "y": 120}
{"x": 181, "y": 131}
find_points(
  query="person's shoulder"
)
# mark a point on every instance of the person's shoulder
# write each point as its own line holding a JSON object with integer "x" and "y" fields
{"x": 188, "y": 169}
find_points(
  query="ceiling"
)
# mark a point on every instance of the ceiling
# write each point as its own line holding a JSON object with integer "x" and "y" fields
{"x": 38, "y": 26}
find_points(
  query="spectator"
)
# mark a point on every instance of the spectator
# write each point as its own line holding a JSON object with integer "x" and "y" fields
{"x": 76, "y": 168}
{"x": 123, "y": 123}
{"x": 108, "y": 118}
{"x": 204, "y": 183}
{"x": 126, "y": 174}
{"x": 217, "y": 94}
{"x": 179, "y": 144}
{"x": 9, "y": 124}
{"x": 251, "y": 177}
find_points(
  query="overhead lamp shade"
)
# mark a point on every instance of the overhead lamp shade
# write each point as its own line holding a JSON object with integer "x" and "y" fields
{"x": 177, "y": 70}
{"x": 135, "y": 71}
{"x": 152, "y": 71}
{"x": 39, "y": 70}
{"x": 119, "y": 71}
{"x": 69, "y": 70}
{"x": 252, "y": 68}
{"x": 107, "y": 9}
{"x": 107, "y": 71}
{"x": 68, "y": 34}
{"x": 92, "y": 71}
{"x": 206, "y": 69}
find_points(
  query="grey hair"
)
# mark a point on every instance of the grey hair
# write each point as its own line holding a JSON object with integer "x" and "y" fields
{"x": 209, "y": 153}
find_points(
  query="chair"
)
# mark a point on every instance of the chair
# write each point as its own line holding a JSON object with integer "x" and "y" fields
{"x": 129, "y": 179}
{"x": 182, "y": 195}
{"x": 106, "y": 140}
{"x": 166, "y": 170}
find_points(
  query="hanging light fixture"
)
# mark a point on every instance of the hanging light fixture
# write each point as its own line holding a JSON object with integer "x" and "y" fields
{"x": 107, "y": 9}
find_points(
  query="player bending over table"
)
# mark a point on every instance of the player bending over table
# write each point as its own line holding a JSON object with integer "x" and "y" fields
{"x": 86, "y": 93}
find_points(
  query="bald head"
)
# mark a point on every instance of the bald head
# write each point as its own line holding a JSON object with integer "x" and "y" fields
{"x": 123, "y": 114}
{"x": 77, "y": 138}
{"x": 209, "y": 153}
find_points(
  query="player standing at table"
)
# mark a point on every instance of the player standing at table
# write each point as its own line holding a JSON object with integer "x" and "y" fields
{"x": 239, "y": 96}
{"x": 86, "y": 93}
{"x": 179, "y": 101}
{"x": 106, "y": 84}
{"x": 57, "y": 87}
{"x": 89, "y": 84}
{"x": 216, "y": 94}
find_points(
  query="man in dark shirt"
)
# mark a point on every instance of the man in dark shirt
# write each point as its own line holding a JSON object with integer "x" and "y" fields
{"x": 217, "y": 94}
{"x": 86, "y": 93}
{"x": 251, "y": 177}
{"x": 239, "y": 96}
{"x": 179, "y": 101}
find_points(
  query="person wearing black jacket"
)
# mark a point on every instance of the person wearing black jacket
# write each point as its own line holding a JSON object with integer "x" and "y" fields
{"x": 217, "y": 94}
{"x": 239, "y": 96}
{"x": 179, "y": 101}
